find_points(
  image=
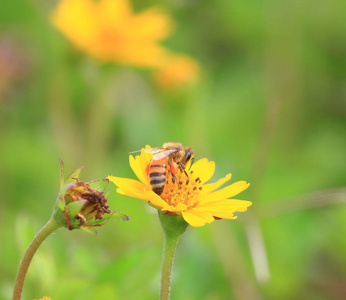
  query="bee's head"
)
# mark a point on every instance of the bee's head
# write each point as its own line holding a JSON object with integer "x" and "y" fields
{"x": 183, "y": 155}
{"x": 189, "y": 154}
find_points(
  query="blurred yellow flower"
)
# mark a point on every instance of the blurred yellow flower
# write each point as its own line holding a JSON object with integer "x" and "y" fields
{"x": 45, "y": 298}
{"x": 189, "y": 196}
{"x": 109, "y": 30}
{"x": 177, "y": 71}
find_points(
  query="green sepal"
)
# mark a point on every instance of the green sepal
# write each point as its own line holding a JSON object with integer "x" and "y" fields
{"x": 120, "y": 216}
{"x": 173, "y": 226}
{"x": 59, "y": 217}
{"x": 90, "y": 230}
{"x": 74, "y": 175}
{"x": 106, "y": 217}
{"x": 115, "y": 215}
{"x": 74, "y": 207}
{"x": 99, "y": 184}
{"x": 61, "y": 203}
{"x": 61, "y": 173}
{"x": 63, "y": 191}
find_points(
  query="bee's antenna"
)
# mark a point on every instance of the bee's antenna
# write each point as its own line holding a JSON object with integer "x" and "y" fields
{"x": 192, "y": 160}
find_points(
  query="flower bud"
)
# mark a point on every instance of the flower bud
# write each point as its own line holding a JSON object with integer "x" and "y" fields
{"x": 83, "y": 204}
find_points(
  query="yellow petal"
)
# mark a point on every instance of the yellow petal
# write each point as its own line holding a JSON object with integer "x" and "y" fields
{"x": 141, "y": 54}
{"x": 132, "y": 193}
{"x": 137, "y": 165}
{"x": 204, "y": 169}
{"x": 178, "y": 208}
{"x": 210, "y": 187}
{"x": 145, "y": 159}
{"x": 155, "y": 199}
{"x": 129, "y": 187}
{"x": 113, "y": 13}
{"x": 227, "y": 192}
{"x": 196, "y": 219}
{"x": 150, "y": 25}
{"x": 126, "y": 183}
{"x": 223, "y": 209}
{"x": 76, "y": 19}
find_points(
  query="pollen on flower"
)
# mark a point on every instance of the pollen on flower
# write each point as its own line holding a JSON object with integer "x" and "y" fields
{"x": 185, "y": 190}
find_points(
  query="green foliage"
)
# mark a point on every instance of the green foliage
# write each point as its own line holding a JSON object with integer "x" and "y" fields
{"x": 269, "y": 108}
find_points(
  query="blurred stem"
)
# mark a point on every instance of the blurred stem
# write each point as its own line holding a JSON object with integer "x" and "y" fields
{"x": 100, "y": 115}
{"x": 282, "y": 69}
{"x": 173, "y": 227}
{"x": 253, "y": 229}
{"x": 233, "y": 262}
{"x": 312, "y": 200}
{"x": 62, "y": 117}
{"x": 46, "y": 230}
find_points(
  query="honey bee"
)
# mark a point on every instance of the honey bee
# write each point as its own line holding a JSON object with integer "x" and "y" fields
{"x": 168, "y": 159}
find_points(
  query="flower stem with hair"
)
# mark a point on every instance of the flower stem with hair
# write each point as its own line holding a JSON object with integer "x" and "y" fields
{"x": 46, "y": 230}
{"x": 173, "y": 227}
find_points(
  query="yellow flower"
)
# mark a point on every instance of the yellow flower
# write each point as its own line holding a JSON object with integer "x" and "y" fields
{"x": 197, "y": 201}
{"x": 45, "y": 298}
{"x": 109, "y": 30}
{"x": 177, "y": 71}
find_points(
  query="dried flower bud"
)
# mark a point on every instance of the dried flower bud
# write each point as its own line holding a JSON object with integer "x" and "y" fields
{"x": 95, "y": 203}
{"x": 83, "y": 205}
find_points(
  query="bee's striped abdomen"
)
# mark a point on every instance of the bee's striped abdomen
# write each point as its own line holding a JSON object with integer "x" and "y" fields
{"x": 157, "y": 176}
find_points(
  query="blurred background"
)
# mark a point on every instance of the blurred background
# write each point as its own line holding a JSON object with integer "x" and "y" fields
{"x": 269, "y": 106}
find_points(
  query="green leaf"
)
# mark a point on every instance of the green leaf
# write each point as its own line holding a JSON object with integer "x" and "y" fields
{"x": 99, "y": 184}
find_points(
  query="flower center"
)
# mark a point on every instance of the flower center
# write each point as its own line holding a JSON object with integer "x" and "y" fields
{"x": 111, "y": 38}
{"x": 184, "y": 189}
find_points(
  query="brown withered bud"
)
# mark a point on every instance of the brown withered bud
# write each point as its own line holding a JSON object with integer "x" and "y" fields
{"x": 95, "y": 205}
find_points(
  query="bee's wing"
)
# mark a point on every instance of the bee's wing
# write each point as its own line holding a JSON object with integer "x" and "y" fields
{"x": 150, "y": 150}
{"x": 163, "y": 154}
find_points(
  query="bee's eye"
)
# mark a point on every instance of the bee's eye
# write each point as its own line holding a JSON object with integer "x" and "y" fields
{"x": 188, "y": 156}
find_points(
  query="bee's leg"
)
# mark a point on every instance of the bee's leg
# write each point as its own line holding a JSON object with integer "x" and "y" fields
{"x": 182, "y": 166}
{"x": 175, "y": 179}
{"x": 174, "y": 170}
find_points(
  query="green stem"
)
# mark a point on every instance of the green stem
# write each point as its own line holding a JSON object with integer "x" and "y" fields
{"x": 170, "y": 244}
{"x": 46, "y": 230}
{"x": 173, "y": 227}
